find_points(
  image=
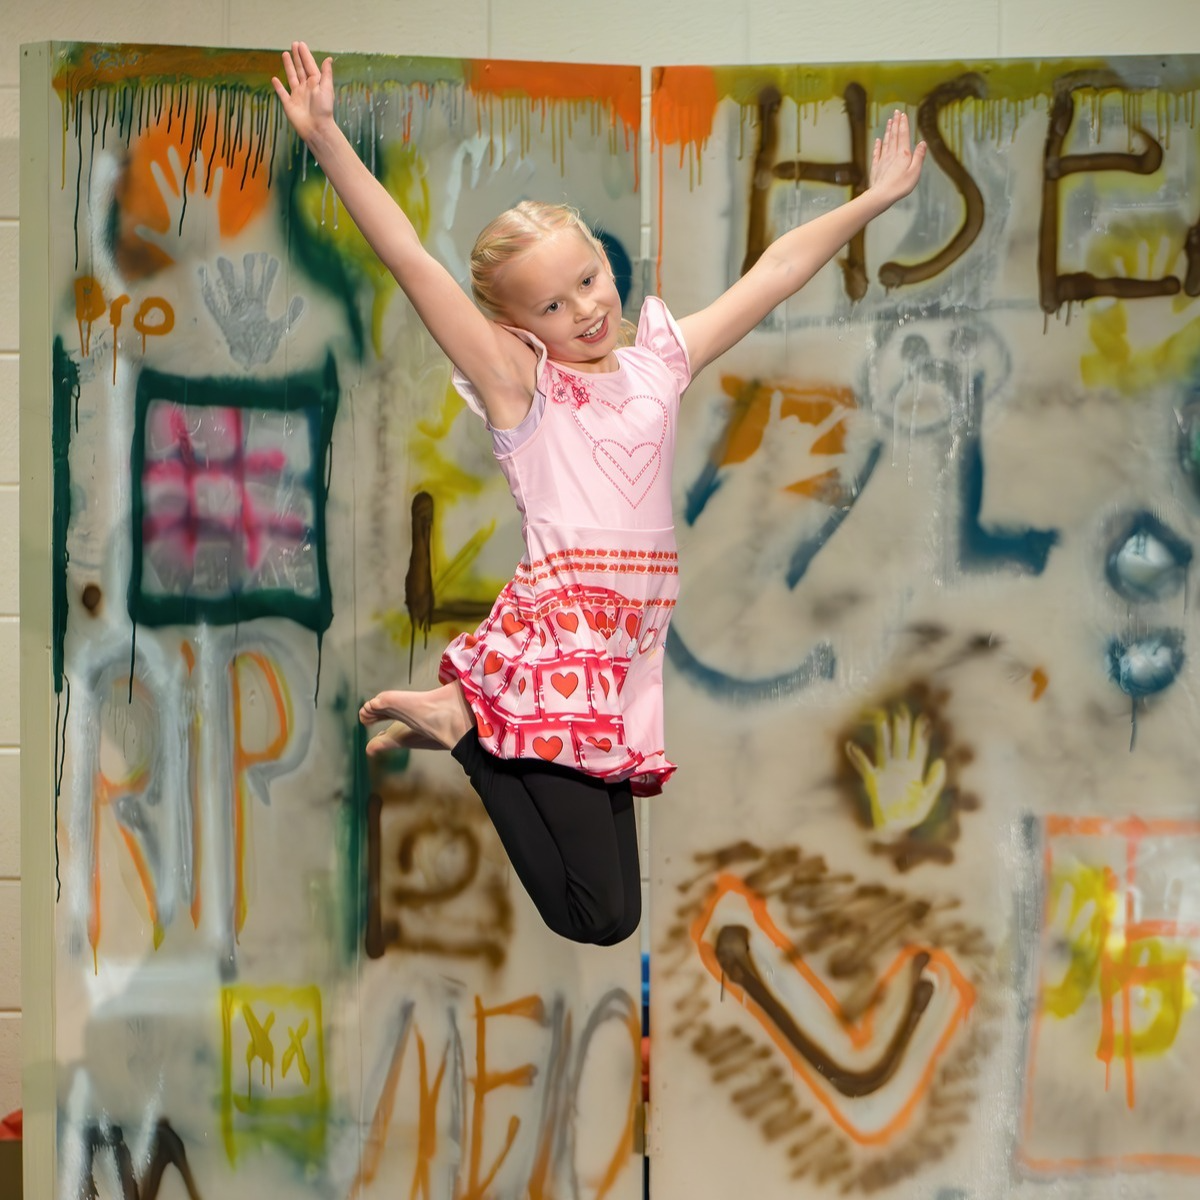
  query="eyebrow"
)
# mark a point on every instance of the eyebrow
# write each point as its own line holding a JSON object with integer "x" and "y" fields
{"x": 591, "y": 269}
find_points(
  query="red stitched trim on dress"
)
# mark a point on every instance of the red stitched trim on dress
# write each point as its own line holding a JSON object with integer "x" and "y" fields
{"x": 588, "y": 552}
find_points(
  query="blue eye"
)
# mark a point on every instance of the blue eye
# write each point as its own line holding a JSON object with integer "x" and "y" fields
{"x": 552, "y": 306}
{"x": 588, "y": 281}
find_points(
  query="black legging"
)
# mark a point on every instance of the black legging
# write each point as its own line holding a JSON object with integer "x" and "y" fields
{"x": 572, "y": 840}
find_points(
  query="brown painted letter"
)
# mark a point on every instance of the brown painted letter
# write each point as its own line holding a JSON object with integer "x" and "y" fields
{"x": 851, "y": 174}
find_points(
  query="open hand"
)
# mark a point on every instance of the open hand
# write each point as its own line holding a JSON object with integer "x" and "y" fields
{"x": 905, "y": 780}
{"x": 308, "y": 98}
{"x": 895, "y": 165}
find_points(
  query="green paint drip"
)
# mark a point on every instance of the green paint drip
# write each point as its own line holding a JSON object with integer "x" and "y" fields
{"x": 65, "y": 398}
{"x": 353, "y": 820}
{"x": 330, "y": 246}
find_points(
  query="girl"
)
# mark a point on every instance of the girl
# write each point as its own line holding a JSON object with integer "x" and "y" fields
{"x": 553, "y": 706}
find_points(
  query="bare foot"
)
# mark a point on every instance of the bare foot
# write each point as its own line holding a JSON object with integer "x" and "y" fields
{"x": 399, "y": 736}
{"x": 439, "y": 717}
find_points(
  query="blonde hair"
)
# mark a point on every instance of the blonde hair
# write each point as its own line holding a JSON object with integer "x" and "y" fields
{"x": 509, "y": 235}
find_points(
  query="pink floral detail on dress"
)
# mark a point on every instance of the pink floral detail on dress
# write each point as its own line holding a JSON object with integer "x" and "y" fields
{"x": 569, "y": 389}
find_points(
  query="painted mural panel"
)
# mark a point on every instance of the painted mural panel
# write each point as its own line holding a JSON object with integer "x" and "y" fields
{"x": 925, "y": 885}
{"x": 281, "y": 972}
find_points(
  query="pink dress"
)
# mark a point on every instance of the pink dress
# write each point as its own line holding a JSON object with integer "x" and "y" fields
{"x": 568, "y": 666}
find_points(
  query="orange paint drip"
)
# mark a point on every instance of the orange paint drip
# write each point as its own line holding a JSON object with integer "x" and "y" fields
{"x": 1040, "y": 680}
{"x": 683, "y": 106}
{"x": 242, "y": 196}
{"x": 617, "y": 87}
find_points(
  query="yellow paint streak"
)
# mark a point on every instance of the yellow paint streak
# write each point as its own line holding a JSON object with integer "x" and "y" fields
{"x": 1130, "y": 370}
{"x": 1092, "y": 905}
{"x": 1156, "y": 975}
{"x": 403, "y": 175}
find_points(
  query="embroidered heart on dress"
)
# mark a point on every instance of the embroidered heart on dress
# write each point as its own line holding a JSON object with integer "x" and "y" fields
{"x": 483, "y": 728}
{"x": 492, "y": 663}
{"x": 547, "y": 748}
{"x": 511, "y": 624}
{"x": 568, "y": 621}
{"x": 604, "y": 744}
{"x": 521, "y": 687}
{"x": 604, "y": 684}
{"x": 564, "y": 685}
{"x": 630, "y": 469}
{"x": 631, "y": 624}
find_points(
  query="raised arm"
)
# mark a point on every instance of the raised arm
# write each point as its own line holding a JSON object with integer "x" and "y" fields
{"x": 793, "y": 259}
{"x": 499, "y": 365}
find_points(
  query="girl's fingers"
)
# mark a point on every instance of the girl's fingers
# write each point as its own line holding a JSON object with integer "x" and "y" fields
{"x": 307, "y": 61}
{"x": 289, "y": 69}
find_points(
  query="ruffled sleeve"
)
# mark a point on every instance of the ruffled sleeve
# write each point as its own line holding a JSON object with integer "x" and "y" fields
{"x": 507, "y": 440}
{"x": 658, "y": 333}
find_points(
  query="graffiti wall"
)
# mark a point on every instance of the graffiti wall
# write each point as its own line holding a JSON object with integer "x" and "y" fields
{"x": 281, "y": 970}
{"x": 925, "y": 888}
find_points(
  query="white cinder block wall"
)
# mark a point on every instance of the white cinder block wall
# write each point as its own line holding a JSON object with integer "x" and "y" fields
{"x": 631, "y": 31}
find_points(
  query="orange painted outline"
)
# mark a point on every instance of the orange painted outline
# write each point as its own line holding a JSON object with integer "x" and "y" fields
{"x": 859, "y": 1032}
{"x": 243, "y": 759}
{"x": 104, "y": 792}
{"x": 1132, "y": 830}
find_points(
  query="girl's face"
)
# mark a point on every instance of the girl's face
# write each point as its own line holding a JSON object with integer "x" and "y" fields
{"x": 562, "y": 291}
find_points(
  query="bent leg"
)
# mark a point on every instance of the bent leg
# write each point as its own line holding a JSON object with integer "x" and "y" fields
{"x": 561, "y": 834}
{"x": 624, "y": 813}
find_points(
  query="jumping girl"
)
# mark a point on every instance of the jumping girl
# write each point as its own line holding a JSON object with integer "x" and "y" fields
{"x": 553, "y": 706}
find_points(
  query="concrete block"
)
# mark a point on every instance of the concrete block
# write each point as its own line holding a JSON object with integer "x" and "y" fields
{"x": 10, "y": 945}
{"x": 9, "y": 419}
{"x": 10, "y": 133}
{"x": 10, "y": 683}
{"x": 10, "y": 814}
{"x": 9, "y": 550}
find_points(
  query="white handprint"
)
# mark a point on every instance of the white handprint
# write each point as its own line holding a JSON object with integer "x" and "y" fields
{"x": 241, "y": 309}
{"x": 174, "y": 189}
{"x": 902, "y": 791}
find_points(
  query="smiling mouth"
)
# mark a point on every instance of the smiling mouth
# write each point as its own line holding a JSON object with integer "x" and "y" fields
{"x": 595, "y": 332}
